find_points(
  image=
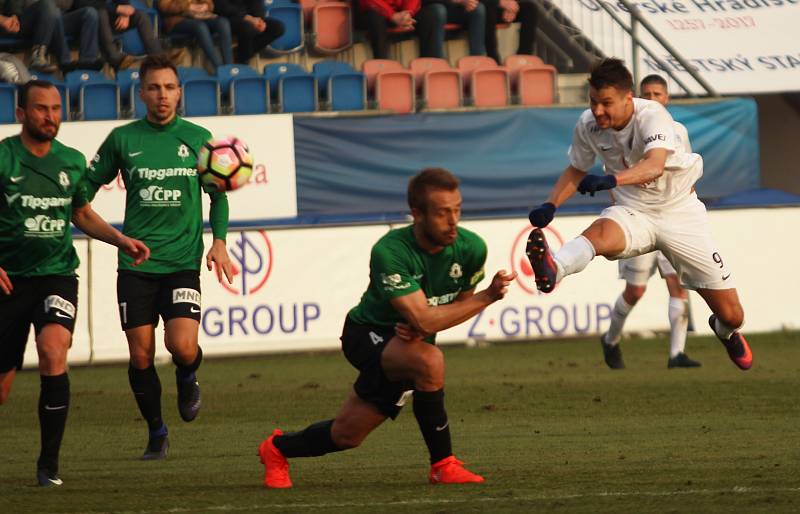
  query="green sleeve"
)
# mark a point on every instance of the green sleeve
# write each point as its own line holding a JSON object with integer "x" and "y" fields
{"x": 103, "y": 168}
{"x": 389, "y": 271}
{"x": 81, "y": 196}
{"x": 476, "y": 273}
{"x": 218, "y": 214}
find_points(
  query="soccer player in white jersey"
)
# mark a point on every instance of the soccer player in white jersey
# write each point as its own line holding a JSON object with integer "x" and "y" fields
{"x": 656, "y": 207}
{"x": 636, "y": 271}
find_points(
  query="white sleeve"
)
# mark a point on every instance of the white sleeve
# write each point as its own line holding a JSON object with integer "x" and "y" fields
{"x": 581, "y": 155}
{"x": 683, "y": 137}
{"x": 657, "y": 129}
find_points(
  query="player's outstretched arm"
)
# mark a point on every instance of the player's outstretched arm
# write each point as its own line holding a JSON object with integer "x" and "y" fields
{"x": 425, "y": 319}
{"x": 86, "y": 219}
{"x": 219, "y": 260}
{"x": 565, "y": 187}
{"x": 5, "y": 283}
{"x": 648, "y": 169}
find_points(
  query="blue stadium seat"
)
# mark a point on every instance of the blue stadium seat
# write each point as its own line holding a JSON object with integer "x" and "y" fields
{"x": 229, "y": 73}
{"x": 77, "y": 80}
{"x": 99, "y": 101}
{"x": 190, "y": 72}
{"x": 323, "y": 70}
{"x": 8, "y": 103}
{"x": 293, "y": 37}
{"x": 274, "y": 72}
{"x": 200, "y": 97}
{"x": 347, "y": 92}
{"x": 250, "y": 95}
{"x": 128, "y": 83}
{"x": 298, "y": 93}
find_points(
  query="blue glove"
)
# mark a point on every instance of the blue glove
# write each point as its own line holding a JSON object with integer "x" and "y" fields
{"x": 594, "y": 183}
{"x": 542, "y": 215}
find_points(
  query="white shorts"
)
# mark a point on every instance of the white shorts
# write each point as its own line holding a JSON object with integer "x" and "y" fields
{"x": 638, "y": 270}
{"x": 682, "y": 234}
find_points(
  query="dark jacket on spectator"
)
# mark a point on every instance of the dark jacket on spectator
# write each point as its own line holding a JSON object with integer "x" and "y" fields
{"x": 239, "y": 8}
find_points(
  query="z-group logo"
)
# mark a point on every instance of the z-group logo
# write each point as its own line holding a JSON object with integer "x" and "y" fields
{"x": 520, "y": 262}
{"x": 251, "y": 254}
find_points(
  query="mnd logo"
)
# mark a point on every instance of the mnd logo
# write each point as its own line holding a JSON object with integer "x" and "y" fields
{"x": 252, "y": 258}
{"x": 60, "y": 304}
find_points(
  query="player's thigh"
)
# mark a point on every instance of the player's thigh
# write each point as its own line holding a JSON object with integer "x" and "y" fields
{"x": 684, "y": 236}
{"x": 354, "y": 421}
{"x": 724, "y": 303}
{"x": 16, "y": 317}
{"x": 415, "y": 360}
{"x": 137, "y": 295}
{"x": 179, "y": 296}
{"x": 52, "y": 344}
{"x": 637, "y": 270}
{"x": 55, "y": 321}
{"x": 622, "y": 232}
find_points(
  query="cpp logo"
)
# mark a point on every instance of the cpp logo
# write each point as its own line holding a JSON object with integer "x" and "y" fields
{"x": 520, "y": 262}
{"x": 251, "y": 254}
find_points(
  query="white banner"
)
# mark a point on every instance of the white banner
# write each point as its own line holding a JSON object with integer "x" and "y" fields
{"x": 270, "y": 194}
{"x": 738, "y": 46}
{"x": 294, "y": 287}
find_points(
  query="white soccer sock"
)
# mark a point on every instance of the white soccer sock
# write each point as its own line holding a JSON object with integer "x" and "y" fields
{"x": 678, "y": 325}
{"x": 723, "y": 331}
{"x": 573, "y": 257}
{"x": 618, "y": 317}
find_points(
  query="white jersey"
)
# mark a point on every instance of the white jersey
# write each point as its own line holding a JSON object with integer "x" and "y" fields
{"x": 683, "y": 137}
{"x": 651, "y": 126}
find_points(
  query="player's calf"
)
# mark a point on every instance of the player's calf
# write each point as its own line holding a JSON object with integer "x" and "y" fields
{"x": 736, "y": 345}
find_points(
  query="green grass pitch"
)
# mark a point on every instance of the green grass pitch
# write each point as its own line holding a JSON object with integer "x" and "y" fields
{"x": 548, "y": 425}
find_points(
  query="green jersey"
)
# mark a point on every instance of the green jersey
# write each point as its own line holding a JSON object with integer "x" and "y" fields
{"x": 163, "y": 204}
{"x": 39, "y": 194}
{"x": 398, "y": 266}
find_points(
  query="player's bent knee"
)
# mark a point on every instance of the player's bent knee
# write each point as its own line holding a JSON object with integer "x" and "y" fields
{"x": 433, "y": 367}
{"x": 732, "y": 316}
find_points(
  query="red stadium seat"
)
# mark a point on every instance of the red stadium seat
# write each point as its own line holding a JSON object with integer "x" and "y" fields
{"x": 332, "y": 27}
{"x": 520, "y": 60}
{"x": 536, "y": 85}
{"x": 489, "y": 87}
{"x": 372, "y": 67}
{"x": 441, "y": 89}
{"x": 467, "y": 64}
{"x": 421, "y": 65}
{"x": 394, "y": 90}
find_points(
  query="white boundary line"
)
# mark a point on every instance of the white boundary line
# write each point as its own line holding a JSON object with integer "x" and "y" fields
{"x": 443, "y": 501}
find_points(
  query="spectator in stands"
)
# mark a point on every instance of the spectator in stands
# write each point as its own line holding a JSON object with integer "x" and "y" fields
{"x": 119, "y": 16}
{"x": 248, "y": 21}
{"x": 467, "y": 13}
{"x": 196, "y": 18}
{"x": 508, "y": 11}
{"x": 41, "y": 22}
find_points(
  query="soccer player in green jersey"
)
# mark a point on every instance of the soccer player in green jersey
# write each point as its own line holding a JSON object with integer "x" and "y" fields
{"x": 422, "y": 280}
{"x": 41, "y": 182}
{"x": 157, "y": 157}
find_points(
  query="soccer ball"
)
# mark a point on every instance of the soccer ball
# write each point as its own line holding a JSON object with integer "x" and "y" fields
{"x": 225, "y": 163}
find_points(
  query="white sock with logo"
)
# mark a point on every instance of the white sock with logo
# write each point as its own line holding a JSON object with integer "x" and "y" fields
{"x": 678, "y": 325}
{"x": 573, "y": 257}
{"x": 618, "y": 316}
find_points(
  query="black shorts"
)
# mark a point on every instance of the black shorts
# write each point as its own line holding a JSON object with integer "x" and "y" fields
{"x": 38, "y": 301}
{"x": 363, "y": 346}
{"x": 143, "y": 297}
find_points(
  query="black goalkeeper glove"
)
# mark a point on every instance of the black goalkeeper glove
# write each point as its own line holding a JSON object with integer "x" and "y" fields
{"x": 594, "y": 183}
{"x": 542, "y": 215}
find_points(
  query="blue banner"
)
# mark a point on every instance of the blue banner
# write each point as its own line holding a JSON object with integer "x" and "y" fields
{"x": 507, "y": 160}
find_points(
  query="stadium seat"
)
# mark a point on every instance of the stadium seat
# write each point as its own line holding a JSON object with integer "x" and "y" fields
{"x": 489, "y": 87}
{"x": 8, "y": 103}
{"x": 297, "y": 93}
{"x": 536, "y": 85}
{"x": 331, "y": 27}
{"x": 274, "y": 72}
{"x": 467, "y": 64}
{"x": 347, "y": 92}
{"x": 250, "y": 95}
{"x": 200, "y": 97}
{"x": 76, "y": 79}
{"x": 520, "y": 60}
{"x": 323, "y": 70}
{"x": 372, "y": 67}
{"x": 293, "y": 37}
{"x": 128, "y": 83}
{"x": 441, "y": 89}
{"x": 394, "y": 91}
{"x": 227, "y": 74}
{"x": 98, "y": 101}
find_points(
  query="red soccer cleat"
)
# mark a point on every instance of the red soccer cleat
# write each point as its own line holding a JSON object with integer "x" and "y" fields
{"x": 544, "y": 267}
{"x": 736, "y": 344}
{"x": 276, "y": 467}
{"x": 452, "y": 471}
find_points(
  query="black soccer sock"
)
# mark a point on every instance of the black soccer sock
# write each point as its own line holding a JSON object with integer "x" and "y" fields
{"x": 146, "y": 389}
{"x": 186, "y": 372}
{"x": 432, "y": 420}
{"x": 53, "y": 408}
{"x": 313, "y": 441}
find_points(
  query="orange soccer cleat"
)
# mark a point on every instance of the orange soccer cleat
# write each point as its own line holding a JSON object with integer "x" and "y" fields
{"x": 736, "y": 345}
{"x": 452, "y": 471}
{"x": 276, "y": 467}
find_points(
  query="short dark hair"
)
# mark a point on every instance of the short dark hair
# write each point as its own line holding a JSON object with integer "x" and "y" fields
{"x": 24, "y": 90}
{"x": 653, "y": 79}
{"x": 156, "y": 62}
{"x": 429, "y": 178}
{"x": 611, "y": 72}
